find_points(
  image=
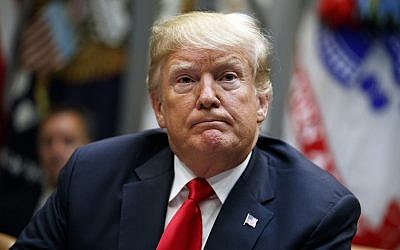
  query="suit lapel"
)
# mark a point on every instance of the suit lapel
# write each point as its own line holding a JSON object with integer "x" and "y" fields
{"x": 252, "y": 188}
{"x": 141, "y": 222}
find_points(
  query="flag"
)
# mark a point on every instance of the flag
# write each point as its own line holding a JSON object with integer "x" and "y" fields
{"x": 48, "y": 41}
{"x": 343, "y": 112}
{"x": 250, "y": 220}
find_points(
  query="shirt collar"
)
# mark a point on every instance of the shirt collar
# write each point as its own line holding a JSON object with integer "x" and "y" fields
{"x": 221, "y": 183}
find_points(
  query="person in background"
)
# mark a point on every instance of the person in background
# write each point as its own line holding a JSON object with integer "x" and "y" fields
{"x": 63, "y": 130}
{"x": 208, "y": 179}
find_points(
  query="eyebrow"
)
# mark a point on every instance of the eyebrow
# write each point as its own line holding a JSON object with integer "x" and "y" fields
{"x": 180, "y": 65}
{"x": 231, "y": 62}
{"x": 228, "y": 60}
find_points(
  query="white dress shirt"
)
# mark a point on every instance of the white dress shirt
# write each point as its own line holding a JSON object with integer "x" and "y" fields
{"x": 221, "y": 183}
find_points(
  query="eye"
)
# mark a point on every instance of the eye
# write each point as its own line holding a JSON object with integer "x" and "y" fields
{"x": 69, "y": 141}
{"x": 46, "y": 142}
{"x": 184, "y": 79}
{"x": 183, "y": 83}
{"x": 228, "y": 77}
{"x": 229, "y": 80}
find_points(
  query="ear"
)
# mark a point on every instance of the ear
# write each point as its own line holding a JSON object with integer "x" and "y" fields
{"x": 158, "y": 108}
{"x": 262, "y": 109}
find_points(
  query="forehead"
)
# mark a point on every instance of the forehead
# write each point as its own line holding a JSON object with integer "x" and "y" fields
{"x": 65, "y": 121}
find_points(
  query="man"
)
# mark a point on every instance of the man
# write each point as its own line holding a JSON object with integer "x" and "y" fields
{"x": 209, "y": 86}
{"x": 63, "y": 130}
{"x": 60, "y": 133}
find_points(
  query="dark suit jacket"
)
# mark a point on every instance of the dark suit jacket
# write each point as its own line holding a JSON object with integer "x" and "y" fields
{"x": 113, "y": 194}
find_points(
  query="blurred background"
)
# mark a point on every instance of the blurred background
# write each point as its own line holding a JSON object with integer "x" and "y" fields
{"x": 335, "y": 70}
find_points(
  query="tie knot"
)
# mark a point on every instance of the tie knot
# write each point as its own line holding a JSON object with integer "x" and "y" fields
{"x": 199, "y": 189}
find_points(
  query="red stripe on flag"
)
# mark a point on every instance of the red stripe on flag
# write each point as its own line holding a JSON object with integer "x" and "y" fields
{"x": 38, "y": 50}
{"x": 310, "y": 134}
{"x": 308, "y": 124}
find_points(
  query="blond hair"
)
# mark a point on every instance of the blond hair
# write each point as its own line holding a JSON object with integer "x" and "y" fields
{"x": 215, "y": 31}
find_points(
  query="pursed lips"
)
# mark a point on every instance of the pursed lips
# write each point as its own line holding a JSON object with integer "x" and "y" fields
{"x": 210, "y": 121}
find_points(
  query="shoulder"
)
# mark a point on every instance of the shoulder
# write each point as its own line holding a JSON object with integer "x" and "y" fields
{"x": 115, "y": 157}
{"x": 133, "y": 146}
{"x": 290, "y": 170}
{"x": 305, "y": 195}
{"x": 280, "y": 152}
{"x": 147, "y": 139}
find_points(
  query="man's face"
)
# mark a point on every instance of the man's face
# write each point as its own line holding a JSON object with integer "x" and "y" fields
{"x": 59, "y": 136}
{"x": 208, "y": 104}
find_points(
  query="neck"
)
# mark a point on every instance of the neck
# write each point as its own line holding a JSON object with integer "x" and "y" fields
{"x": 209, "y": 165}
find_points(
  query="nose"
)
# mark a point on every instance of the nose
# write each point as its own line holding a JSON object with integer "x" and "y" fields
{"x": 207, "y": 97}
{"x": 58, "y": 149}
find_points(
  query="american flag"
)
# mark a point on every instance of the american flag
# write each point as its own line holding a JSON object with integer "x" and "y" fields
{"x": 48, "y": 42}
{"x": 250, "y": 220}
{"x": 344, "y": 114}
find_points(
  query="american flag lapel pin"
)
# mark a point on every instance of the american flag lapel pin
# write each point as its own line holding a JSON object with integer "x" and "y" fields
{"x": 250, "y": 220}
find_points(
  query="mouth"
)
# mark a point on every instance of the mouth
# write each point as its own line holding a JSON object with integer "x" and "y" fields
{"x": 210, "y": 122}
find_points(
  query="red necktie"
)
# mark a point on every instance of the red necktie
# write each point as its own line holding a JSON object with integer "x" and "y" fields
{"x": 184, "y": 231}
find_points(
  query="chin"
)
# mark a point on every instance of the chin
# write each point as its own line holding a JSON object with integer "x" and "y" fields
{"x": 215, "y": 140}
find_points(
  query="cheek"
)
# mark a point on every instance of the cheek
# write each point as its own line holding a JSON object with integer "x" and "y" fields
{"x": 242, "y": 107}
{"x": 178, "y": 109}
{"x": 45, "y": 153}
